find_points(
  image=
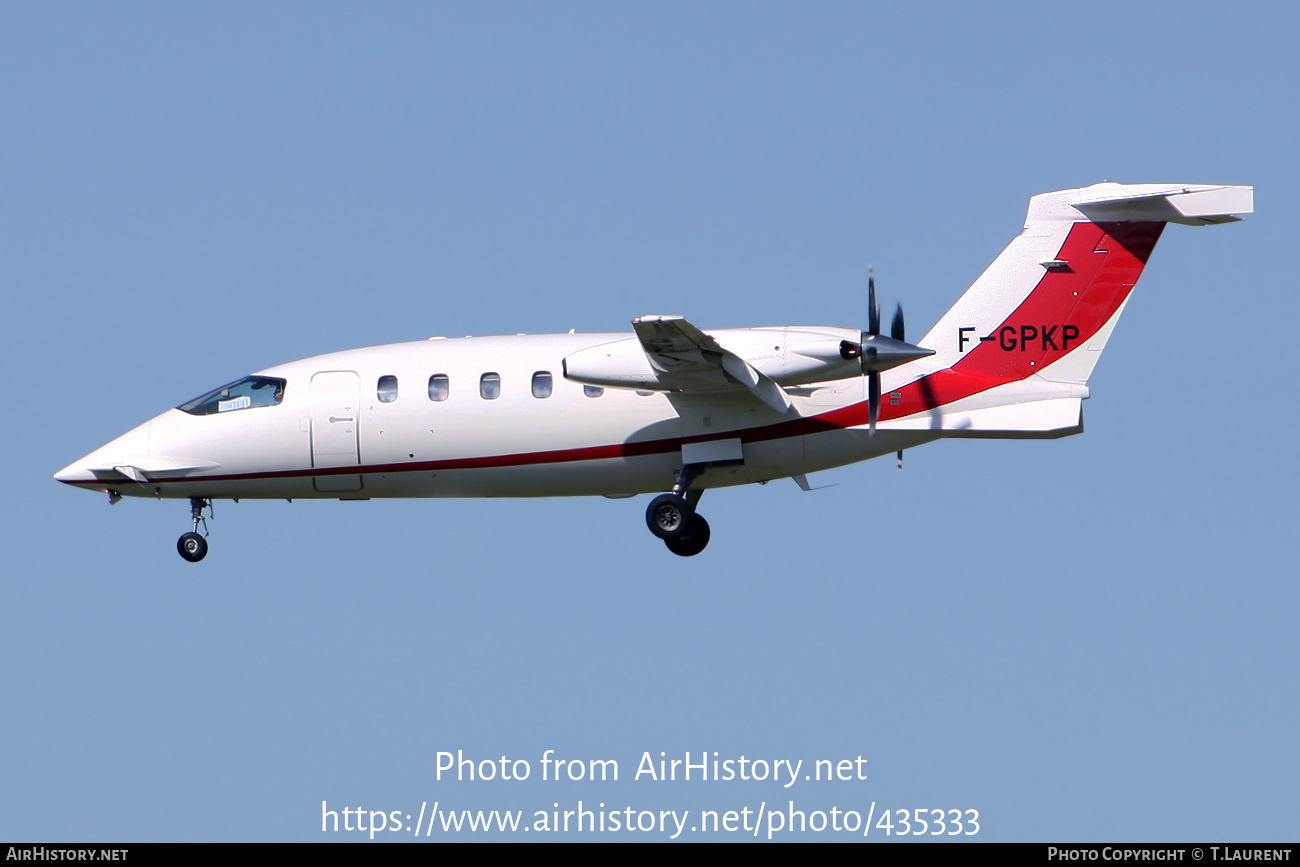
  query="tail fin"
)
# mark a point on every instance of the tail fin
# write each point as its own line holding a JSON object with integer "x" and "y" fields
{"x": 1028, "y": 332}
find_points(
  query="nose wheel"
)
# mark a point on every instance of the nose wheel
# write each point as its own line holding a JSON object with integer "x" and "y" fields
{"x": 192, "y": 546}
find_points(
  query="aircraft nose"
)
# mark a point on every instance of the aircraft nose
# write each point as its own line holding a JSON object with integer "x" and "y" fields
{"x": 130, "y": 448}
{"x": 77, "y": 471}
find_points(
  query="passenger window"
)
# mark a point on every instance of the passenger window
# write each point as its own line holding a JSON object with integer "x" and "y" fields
{"x": 387, "y": 389}
{"x": 439, "y": 386}
{"x": 542, "y": 384}
{"x": 489, "y": 386}
{"x": 592, "y": 390}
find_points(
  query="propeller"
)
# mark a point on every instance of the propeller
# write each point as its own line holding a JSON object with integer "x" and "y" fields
{"x": 877, "y": 353}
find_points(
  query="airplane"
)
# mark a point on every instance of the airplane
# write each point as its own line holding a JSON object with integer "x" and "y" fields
{"x": 670, "y": 409}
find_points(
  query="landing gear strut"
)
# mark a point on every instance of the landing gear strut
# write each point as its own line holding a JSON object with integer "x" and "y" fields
{"x": 192, "y": 546}
{"x": 672, "y": 517}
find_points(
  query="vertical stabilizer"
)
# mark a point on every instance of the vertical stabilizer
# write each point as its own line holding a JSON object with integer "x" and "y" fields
{"x": 1036, "y": 320}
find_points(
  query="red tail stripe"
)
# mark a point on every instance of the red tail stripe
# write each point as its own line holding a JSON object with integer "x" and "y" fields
{"x": 1104, "y": 261}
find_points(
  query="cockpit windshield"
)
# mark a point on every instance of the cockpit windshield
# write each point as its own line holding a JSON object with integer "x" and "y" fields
{"x": 242, "y": 394}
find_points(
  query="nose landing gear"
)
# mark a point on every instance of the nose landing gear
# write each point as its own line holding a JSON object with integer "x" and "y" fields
{"x": 672, "y": 517}
{"x": 192, "y": 546}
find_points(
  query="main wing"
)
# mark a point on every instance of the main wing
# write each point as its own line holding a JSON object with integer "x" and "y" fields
{"x": 670, "y": 354}
{"x": 683, "y": 357}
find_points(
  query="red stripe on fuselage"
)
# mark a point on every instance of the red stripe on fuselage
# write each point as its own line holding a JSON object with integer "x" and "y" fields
{"x": 837, "y": 419}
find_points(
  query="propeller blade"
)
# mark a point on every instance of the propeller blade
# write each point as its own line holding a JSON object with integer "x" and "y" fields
{"x": 873, "y": 314}
{"x": 876, "y": 353}
{"x": 873, "y": 400}
{"x": 900, "y": 460}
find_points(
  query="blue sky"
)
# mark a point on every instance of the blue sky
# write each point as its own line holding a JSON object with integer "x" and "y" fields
{"x": 1085, "y": 639}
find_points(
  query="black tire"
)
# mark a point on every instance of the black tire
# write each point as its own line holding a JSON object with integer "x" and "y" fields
{"x": 693, "y": 541}
{"x": 192, "y": 547}
{"x": 668, "y": 516}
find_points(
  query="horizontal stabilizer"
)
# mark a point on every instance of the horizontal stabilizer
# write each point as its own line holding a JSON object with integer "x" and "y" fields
{"x": 1192, "y": 206}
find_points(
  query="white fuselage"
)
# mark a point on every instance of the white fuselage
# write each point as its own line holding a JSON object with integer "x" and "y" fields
{"x": 331, "y": 435}
{"x": 561, "y": 415}
{"x": 671, "y": 408}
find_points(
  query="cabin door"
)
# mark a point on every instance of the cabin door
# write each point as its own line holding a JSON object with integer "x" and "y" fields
{"x": 335, "y": 417}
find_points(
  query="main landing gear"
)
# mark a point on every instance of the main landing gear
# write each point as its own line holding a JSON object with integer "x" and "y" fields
{"x": 192, "y": 546}
{"x": 672, "y": 517}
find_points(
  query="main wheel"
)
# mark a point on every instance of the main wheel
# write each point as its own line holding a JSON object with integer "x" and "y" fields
{"x": 668, "y": 516}
{"x": 192, "y": 547}
{"x": 693, "y": 541}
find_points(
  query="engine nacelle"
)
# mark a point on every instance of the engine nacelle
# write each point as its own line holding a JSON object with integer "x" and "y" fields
{"x": 620, "y": 364}
{"x": 790, "y": 356}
